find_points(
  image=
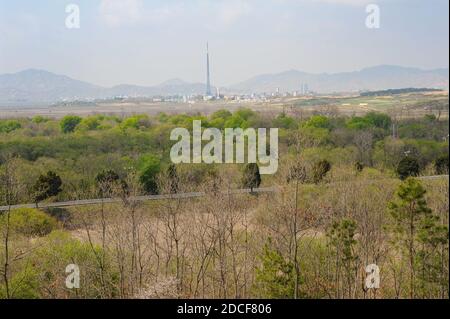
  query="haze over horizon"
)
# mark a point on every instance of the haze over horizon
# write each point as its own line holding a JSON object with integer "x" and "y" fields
{"x": 180, "y": 81}
{"x": 148, "y": 42}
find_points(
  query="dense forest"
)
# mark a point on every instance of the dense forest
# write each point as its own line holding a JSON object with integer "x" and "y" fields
{"x": 350, "y": 192}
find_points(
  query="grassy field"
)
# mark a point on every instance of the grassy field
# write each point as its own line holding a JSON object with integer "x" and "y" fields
{"x": 401, "y": 105}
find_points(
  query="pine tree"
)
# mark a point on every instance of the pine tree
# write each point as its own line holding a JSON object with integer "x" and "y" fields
{"x": 46, "y": 186}
{"x": 409, "y": 211}
{"x": 432, "y": 256}
{"x": 341, "y": 237}
{"x": 252, "y": 177}
{"x": 275, "y": 277}
{"x": 441, "y": 165}
{"x": 408, "y": 167}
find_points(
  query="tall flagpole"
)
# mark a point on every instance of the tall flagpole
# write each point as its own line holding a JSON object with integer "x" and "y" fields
{"x": 208, "y": 78}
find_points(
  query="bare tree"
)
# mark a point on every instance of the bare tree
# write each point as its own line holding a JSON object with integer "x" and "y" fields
{"x": 10, "y": 190}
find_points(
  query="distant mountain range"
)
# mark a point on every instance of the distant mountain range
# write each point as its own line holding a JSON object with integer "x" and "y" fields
{"x": 46, "y": 87}
{"x": 370, "y": 79}
{"x": 38, "y": 86}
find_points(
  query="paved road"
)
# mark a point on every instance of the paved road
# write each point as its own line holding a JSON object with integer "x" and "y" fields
{"x": 85, "y": 202}
{"x": 433, "y": 177}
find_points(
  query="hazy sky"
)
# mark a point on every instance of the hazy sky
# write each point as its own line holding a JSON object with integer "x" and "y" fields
{"x": 146, "y": 42}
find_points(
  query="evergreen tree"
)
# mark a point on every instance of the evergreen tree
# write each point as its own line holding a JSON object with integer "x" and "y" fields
{"x": 408, "y": 167}
{"x": 275, "y": 277}
{"x": 441, "y": 165}
{"x": 46, "y": 186}
{"x": 341, "y": 238}
{"x": 149, "y": 168}
{"x": 411, "y": 224}
{"x": 432, "y": 257}
{"x": 251, "y": 177}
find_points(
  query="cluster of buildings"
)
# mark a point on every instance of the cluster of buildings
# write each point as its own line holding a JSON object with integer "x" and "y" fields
{"x": 214, "y": 93}
{"x": 209, "y": 95}
{"x": 253, "y": 97}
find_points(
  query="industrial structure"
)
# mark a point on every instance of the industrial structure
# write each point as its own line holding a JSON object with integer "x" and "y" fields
{"x": 208, "y": 77}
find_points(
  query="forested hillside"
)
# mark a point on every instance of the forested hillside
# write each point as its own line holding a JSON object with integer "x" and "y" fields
{"x": 351, "y": 192}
